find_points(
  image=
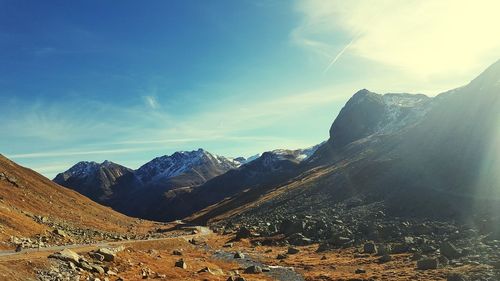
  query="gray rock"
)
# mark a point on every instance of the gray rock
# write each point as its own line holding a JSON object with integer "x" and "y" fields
{"x": 239, "y": 255}
{"x": 289, "y": 227}
{"x": 427, "y": 263}
{"x": 384, "y": 249}
{"x": 181, "y": 263}
{"x": 60, "y": 232}
{"x": 67, "y": 255}
{"x": 456, "y": 277}
{"x": 385, "y": 258}
{"x": 293, "y": 251}
{"x": 96, "y": 256}
{"x": 97, "y": 269}
{"x": 281, "y": 256}
{"x": 243, "y": 232}
{"x": 299, "y": 239}
{"x": 370, "y": 248}
{"x": 449, "y": 250}
{"x": 108, "y": 254}
{"x": 235, "y": 278}
{"x": 254, "y": 269}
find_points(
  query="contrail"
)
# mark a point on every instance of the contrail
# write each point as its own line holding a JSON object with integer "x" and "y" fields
{"x": 334, "y": 60}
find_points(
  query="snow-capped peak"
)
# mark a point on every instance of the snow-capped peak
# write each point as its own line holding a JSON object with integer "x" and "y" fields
{"x": 180, "y": 162}
{"x": 403, "y": 110}
{"x": 82, "y": 169}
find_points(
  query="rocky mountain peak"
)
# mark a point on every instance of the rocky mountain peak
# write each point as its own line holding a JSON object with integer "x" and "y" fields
{"x": 368, "y": 113}
{"x": 181, "y": 162}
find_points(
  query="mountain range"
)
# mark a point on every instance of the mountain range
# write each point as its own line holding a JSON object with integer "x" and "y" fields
{"x": 149, "y": 191}
{"x": 418, "y": 155}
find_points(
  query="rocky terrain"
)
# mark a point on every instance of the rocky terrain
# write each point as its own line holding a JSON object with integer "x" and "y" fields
{"x": 406, "y": 188}
{"x": 35, "y": 212}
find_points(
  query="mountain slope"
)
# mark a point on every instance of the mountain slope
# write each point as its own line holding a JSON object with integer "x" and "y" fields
{"x": 183, "y": 169}
{"x": 32, "y": 205}
{"x": 96, "y": 181}
{"x": 141, "y": 193}
{"x": 428, "y": 157}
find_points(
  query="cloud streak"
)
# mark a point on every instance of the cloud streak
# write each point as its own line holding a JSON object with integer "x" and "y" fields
{"x": 334, "y": 60}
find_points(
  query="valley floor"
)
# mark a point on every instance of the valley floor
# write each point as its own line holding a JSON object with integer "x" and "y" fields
{"x": 210, "y": 256}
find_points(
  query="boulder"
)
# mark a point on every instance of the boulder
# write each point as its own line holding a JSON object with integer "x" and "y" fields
{"x": 96, "y": 256}
{"x": 299, "y": 239}
{"x": 289, "y": 227}
{"x": 67, "y": 255}
{"x": 385, "y": 258}
{"x": 360, "y": 271}
{"x": 181, "y": 263}
{"x": 108, "y": 254}
{"x": 449, "y": 250}
{"x": 235, "y": 278}
{"x": 384, "y": 249}
{"x": 243, "y": 232}
{"x": 97, "y": 269}
{"x": 254, "y": 269}
{"x": 239, "y": 255}
{"x": 213, "y": 271}
{"x": 456, "y": 277}
{"x": 427, "y": 263}
{"x": 370, "y": 248}
{"x": 281, "y": 256}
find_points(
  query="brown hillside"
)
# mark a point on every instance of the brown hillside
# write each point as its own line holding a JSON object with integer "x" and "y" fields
{"x": 26, "y": 197}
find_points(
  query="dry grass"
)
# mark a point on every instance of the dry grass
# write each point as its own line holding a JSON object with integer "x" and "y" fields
{"x": 37, "y": 195}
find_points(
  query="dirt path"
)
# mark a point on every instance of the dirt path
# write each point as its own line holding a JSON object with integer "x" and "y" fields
{"x": 35, "y": 253}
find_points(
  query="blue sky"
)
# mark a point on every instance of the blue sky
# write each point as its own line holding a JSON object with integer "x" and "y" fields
{"x": 96, "y": 80}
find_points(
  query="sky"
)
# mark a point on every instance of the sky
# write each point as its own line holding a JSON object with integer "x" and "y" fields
{"x": 129, "y": 81}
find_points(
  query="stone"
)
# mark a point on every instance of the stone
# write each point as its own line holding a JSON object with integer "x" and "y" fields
{"x": 370, "y": 248}
{"x": 416, "y": 256}
{"x": 449, "y": 250}
{"x": 107, "y": 253}
{"x": 177, "y": 253}
{"x": 299, "y": 239}
{"x": 400, "y": 248}
{"x": 254, "y": 269}
{"x": 239, "y": 255}
{"x": 384, "y": 250}
{"x": 67, "y": 255}
{"x": 281, "y": 256}
{"x": 97, "y": 269}
{"x": 456, "y": 277}
{"x": 293, "y": 251}
{"x": 60, "y": 232}
{"x": 385, "y": 258}
{"x": 427, "y": 263}
{"x": 235, "y": 278}
{"x": 443, "y": 261}
{"x": 289, "y": 227}
{"x": 243, "y": 232}
{"x": 213, "y": 271}
{"x": 360, "y": 271}
{"x": 96, "y": 256}
{"x": 181, "y": 263}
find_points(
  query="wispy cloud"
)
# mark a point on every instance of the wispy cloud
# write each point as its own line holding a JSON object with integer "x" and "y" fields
{"x": 151, "y": 101}
{"x": 425, "y": 40}
{"x": 51, "y": 154}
